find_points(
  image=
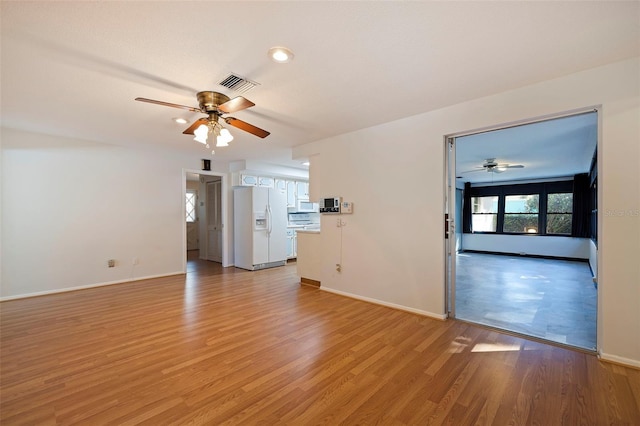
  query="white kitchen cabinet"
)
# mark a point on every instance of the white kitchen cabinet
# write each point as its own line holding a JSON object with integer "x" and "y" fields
{"x": 265, "y": 182}
{"x": 291, "y": 193}
{"x": 281, "y": 185}
{"x": 291, "y": 243}
{"x": 302, "y": 191}
{"x": 308, "y": 264}
{"x": 248, "y": 180}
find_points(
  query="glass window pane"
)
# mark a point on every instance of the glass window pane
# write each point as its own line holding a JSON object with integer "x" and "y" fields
{"x": 559, "y": 223}
{"x": 559, "y": 213}
{"x": 521, "y": 223}
{"x": 521, "y": 203}
{"x": 484, "y": 222}
{"x": 191, "y": 206}
{"x": 560, "y": 203}
{"x": 484, "y": 216}
{"x": 484, "y": 204}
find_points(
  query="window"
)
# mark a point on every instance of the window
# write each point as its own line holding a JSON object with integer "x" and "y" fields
{"x": 559, "y": 213}
{"x": 521, "y": 214}
{"x": 191, "y": 206}
{"x": 551, "y": 208}
{"x": 484, "y": 214}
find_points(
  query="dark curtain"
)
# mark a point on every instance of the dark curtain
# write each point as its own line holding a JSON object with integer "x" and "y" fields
{"x": 466, "y": 209}
{"x": 581, "y": 206}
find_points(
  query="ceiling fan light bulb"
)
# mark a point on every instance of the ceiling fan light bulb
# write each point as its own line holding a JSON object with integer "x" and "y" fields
{"x": 224, "y": 138}
{"x": 225, "y": 135}
{"x": 201, "y": 134}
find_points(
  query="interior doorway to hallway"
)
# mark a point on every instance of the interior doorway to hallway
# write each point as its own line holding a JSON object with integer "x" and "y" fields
{"x": 522, "y": 212}
{"x": 205, "y": 205}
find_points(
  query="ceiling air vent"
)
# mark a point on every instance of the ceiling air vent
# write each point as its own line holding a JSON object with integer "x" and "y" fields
{"x": 237, "y": 83}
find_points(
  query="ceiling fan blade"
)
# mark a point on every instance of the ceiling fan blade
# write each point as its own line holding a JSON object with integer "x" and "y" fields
{"x": 194, "y": 126}
{"x": 236, "y": 104}
{"x": 151, "y": 101}
{"x": 515, "y": 166}
{"x": 243, "y": 125}
{"x": 474, "y": 170}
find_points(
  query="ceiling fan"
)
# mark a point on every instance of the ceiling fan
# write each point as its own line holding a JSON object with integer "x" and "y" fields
{"x": 215, "y": 105}
{"x": 491, "y": 166}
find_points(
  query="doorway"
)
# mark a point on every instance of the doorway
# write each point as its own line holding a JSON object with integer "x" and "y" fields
{"x": 521, "y": 208}
{"x": 208, "y": 225}
{"x": 213, "y": 217}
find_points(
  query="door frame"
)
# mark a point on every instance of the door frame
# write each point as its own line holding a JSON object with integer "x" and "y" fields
{"x": 224, "y": 198}
{"x": 216, "y": 212}
{"x": 449, "y": 203}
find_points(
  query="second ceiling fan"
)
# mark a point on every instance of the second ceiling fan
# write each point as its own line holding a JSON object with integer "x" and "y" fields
{"x": 490, "y": 165}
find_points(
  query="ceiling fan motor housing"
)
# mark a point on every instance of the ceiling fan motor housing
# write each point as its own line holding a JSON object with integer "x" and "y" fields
{"x": 209, "y": 101}
{"x": 490, "y": 163}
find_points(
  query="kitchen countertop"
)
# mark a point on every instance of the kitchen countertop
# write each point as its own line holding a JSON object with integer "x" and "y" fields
{"x": 308, "y": 231}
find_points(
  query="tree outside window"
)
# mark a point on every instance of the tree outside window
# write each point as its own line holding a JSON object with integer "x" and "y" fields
{"x": 521, "y": 213}
{"x": 559, "y": 213}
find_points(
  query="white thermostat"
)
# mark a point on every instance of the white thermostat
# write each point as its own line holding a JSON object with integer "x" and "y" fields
{"x": 346, "y": 207}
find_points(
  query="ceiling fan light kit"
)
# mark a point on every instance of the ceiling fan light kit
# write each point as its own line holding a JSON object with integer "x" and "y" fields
{"x": 215, "y": 105}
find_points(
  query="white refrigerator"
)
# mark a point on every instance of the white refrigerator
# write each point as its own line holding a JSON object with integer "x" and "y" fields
{"x": 259, "y": 227}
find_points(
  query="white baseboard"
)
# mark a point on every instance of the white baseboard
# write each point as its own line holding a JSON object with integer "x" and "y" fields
{"x": 387, "y": 304}
{"x": 619, "y": 360}
{"x": 82, "y": 287}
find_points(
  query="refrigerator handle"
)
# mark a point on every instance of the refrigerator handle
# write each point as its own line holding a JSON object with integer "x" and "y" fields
{"x": 270, "y": 226}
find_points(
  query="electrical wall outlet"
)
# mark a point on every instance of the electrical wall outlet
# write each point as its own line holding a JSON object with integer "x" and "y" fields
{"x": 111, "y": 263}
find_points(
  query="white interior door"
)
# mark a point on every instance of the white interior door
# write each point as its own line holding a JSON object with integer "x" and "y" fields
{"x": 214, "y": 221}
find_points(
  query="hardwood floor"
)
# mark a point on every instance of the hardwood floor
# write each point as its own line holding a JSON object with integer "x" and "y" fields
{"x": 550, "y": 299}
{"x": 228, "y": 346}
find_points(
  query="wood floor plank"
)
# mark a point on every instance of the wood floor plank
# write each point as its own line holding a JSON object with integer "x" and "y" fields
{"x": 227, "y": 346}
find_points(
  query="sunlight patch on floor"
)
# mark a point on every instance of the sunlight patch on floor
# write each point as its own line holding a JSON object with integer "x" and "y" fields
{"x": 496, "y": 347}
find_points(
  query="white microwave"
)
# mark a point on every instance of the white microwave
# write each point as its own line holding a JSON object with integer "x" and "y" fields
{"x": 330, "y": 205}
{"x": 307, "y": 207}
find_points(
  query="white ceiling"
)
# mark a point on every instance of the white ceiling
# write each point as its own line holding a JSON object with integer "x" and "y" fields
{"x": 74, "y": 68}
{"x": 556, "y": 148}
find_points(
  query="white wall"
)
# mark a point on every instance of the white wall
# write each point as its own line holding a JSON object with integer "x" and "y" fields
{"x": 68, "y": 206}
{"x": 392, "y": 246}
{"x": 539, "y": 245}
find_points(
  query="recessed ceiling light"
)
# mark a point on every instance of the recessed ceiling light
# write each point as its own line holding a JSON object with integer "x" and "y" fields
{"x": 280, "y": 54}
{"x": 180, "y": 120}
{"x": 306, "y": 163}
